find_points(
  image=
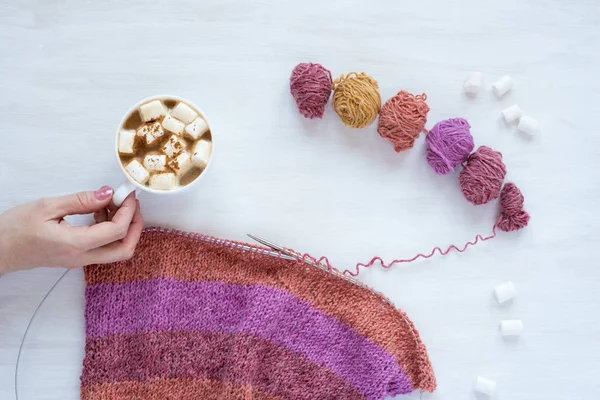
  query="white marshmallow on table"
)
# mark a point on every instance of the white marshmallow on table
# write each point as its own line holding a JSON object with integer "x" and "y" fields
{"x": 503, "y": 85}
{"x": 473, "y": 83}
{"x": 511, "y": 327}
{"x": 512, "y": 113}
{"x": 155, "y": 162}
{"x": 126, "y": 141}
{"x": 182, "y": 163}
{"x": 152, "y": 111}
{"x": 166, "y": 181}
{"x": 505, "y": 291}
{"x": 485, "y": 386}
{"x": 196, "y": 129}
{"x": 528, "y": 125}
{"x": 174, "y": 146}
{"x": 201, "y": 153}
{"x": 137, "y": 171}
{"x": 173, "y": 125}
{"x": 152, "y": 131}
{"x": 184, "y": 113}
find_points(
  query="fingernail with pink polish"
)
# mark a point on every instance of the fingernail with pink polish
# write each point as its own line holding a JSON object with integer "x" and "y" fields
{"x": 103, "y": 193}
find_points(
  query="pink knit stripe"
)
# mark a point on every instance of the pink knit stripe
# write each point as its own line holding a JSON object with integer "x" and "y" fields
{"x": 237, "y": 359}
{"x": 175, "y": 388}
{"x": 273, "y": 314}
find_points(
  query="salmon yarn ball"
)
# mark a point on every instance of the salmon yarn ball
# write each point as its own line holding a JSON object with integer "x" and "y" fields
{"x": 402, "y": 119}
{"x": 356, "y": 99}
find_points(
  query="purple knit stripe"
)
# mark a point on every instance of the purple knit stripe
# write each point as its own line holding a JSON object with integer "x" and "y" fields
{"x": 237, "y": 359}
{"x": 166, "y": 304}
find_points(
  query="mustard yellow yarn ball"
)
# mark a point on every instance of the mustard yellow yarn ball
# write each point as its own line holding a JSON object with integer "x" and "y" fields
{"x": 356, "y": 99}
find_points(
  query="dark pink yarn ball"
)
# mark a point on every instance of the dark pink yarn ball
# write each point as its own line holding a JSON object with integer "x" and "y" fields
{"x": 311, "y": 86}
{"x": 449, "y": 144}
{"x": 482, "y": 176}
{"x": 512, "y": 215}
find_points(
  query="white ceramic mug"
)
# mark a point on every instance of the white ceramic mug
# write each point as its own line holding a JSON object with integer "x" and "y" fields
{"x": 130, "y": 184}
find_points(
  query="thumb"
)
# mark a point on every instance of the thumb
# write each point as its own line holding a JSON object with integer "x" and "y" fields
{"x": 80, "y": 203}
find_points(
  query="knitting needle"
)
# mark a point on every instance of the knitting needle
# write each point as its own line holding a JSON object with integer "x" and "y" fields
{"x": 276, "y": 254}
{"x": 278, "y": 248}
{"x": 281, "y": 249}
{"x": 284, "y": 253}
{"x": 267, "y": 243}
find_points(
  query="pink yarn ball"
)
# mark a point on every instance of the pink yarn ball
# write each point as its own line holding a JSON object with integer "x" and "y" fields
{"x": 512, "y": 216}
{"x": 311, "y": 85}
{"x": 449, "y": 144}
{"x": 482, "y": 176}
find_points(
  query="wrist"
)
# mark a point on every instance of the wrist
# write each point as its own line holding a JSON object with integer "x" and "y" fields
{"x": 3, "y": 257}
{"x": 6, "y": 265}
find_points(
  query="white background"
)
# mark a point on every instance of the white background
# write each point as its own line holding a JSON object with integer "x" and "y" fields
{"x": 70, "y": 69}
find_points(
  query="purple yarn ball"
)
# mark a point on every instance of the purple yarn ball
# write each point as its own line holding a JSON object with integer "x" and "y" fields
{"x": 449, "y": 144}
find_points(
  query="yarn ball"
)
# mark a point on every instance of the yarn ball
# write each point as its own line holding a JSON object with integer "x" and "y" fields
{"x": 482, "y": 175}
{"x": 311, "y": 85}
{"x": 356, "y": 99}
{"x": 512, "y": 215}
{"x": 402, "y": 119}
{"x": 449, "y": 144}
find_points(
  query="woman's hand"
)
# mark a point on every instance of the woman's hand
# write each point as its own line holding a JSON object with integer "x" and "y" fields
{"x": 35, "y": 234}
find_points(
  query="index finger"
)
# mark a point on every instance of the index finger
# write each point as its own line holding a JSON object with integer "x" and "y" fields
{"x": 91, "y": 237}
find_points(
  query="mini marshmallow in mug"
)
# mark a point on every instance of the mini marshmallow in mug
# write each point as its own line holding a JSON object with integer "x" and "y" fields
{"x": 155, "y": 162}
{"x": 164, "y": 183}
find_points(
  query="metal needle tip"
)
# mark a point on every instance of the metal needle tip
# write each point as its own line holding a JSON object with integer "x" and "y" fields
{"x": 266, "y": 243}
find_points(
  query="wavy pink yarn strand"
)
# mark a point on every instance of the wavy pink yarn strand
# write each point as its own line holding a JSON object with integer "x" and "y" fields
{"x": 512, "y": 217}
{"x": 324, "y": 261}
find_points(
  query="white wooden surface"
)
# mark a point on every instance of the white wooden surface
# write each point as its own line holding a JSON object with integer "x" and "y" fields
{"x": 70, "y": 69}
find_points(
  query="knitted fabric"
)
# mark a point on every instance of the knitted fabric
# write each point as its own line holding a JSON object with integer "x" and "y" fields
{"x": 193, "y": 317}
